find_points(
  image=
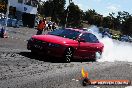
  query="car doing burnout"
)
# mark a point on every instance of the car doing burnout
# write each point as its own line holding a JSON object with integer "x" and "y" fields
{"x": 67, "y": 43}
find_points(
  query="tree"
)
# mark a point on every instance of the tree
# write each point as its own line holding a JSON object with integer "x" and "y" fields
{"x": 106, "y": 22}
{"x": 121, "y": 18}
{"x": 127, "y": 26}
{"x": 3, "y": 6}
{"x": 74, "y": 15}
{"x": 54, "y": 9}
{"x": 90, "y": 16}
{"x": 48, "y": 8}
{"x": 40, "y": 8}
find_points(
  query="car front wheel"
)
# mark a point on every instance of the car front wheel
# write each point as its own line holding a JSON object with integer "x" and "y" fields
{"x": 68, "y": 55}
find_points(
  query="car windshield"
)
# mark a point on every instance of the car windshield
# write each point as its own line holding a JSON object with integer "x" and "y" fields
{"x": 66, "y": 33}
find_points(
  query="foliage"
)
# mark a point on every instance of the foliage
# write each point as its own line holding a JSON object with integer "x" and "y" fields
{"x": 127, "y": 26}
{"x": 73, "y": 16}
{"x": 52, "y": 8}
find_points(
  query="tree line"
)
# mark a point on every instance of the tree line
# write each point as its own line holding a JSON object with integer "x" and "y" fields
{"x": 73, "y": 16}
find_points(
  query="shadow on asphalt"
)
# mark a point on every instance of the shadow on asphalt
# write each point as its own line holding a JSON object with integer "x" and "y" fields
{"x": 48, "y": 59}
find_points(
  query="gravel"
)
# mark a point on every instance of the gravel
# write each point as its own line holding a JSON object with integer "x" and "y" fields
{"x": 20, "y": 69}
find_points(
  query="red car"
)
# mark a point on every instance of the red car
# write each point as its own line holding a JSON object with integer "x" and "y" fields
{"x": 67, "y": 43}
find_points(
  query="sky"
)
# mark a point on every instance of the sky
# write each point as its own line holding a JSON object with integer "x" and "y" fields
{"x": 104, "y": 7}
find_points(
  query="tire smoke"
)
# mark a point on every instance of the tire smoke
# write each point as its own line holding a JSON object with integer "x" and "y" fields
{"x": 114, "y": 50}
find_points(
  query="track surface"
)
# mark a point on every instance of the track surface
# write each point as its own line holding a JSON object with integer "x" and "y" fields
{"x": 20, "y": 69}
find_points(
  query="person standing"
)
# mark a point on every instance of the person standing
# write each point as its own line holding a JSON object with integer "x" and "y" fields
{"x": 49, "y": 25}
{"x": 3, "y": 33}
{"x": 40, "y": 27}
{"x": 53, "y": 26}
{"x": 44, "y": 24}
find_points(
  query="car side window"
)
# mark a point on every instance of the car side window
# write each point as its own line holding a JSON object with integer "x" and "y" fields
{"x": 93, "y": 38}
{"x": 88, "y": 37}
{"x": 85, "y": 37}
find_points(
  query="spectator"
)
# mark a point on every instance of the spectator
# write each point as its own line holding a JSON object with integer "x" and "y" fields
{"x": 53, "y": 26}
{"x": 49, "y": 25}
{"x": 3, "y": 33}
{"x": 44, "y": 24}
{"x": 40, "y": 27}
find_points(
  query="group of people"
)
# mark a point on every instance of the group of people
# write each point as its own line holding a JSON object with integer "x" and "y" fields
{"x": 51, "y": 25}
{"x": 42, "y": 26}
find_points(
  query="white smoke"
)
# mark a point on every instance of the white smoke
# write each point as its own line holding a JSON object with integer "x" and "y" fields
{"x": 93, "y": 29}
{"x": 114, "y": 50}
{"x": 128, "y": 87}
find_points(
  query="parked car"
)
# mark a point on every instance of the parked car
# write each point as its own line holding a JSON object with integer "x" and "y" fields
{"x": 116, "y": 36}
{"x": 106, "y": 34}
{"x": 67, "y": 43}
{"x": 14, "y": 22}
{"x": 19, "y": 23}
{"x": 125, "y": 38}
{"x": 130, "y": 38}
{"x": 11, "y": 22}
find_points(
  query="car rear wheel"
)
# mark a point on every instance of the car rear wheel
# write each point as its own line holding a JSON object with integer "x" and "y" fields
{"x": 68, "y": 55}
{"x": 98, "y": 55}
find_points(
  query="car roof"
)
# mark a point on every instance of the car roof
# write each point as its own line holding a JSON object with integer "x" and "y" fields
{"x": 80, "y": 30}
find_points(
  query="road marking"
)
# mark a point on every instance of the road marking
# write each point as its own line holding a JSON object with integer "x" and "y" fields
{"x": 75, "y": 80}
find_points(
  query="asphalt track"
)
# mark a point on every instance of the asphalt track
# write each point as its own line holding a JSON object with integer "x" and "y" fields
{"x": 20, "y": 69}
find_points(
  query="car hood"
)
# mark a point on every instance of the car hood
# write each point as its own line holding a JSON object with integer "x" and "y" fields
{"x": 54, "y": 39}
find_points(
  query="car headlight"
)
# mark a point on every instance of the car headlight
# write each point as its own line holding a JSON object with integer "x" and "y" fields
{"x": 54, "y": 45}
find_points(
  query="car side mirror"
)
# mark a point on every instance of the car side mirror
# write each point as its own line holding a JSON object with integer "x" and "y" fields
{"x": 81, "y": 40}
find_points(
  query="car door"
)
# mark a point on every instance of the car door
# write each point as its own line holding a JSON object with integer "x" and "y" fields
{"x": 88, "y": 47}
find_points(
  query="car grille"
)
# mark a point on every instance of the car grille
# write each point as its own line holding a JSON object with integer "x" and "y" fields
{"x": 41, "y": 43}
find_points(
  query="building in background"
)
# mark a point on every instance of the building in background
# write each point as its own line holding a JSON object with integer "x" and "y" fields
{"x": 24, "y": 10}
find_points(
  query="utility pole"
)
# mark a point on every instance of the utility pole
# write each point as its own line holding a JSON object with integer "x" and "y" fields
{"x": 67, "y": 13}
{"x": 7, "y": 13}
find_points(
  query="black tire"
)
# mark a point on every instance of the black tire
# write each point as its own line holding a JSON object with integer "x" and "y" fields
{"x": 86, "y": 82}
{"x": 68, "y": 55}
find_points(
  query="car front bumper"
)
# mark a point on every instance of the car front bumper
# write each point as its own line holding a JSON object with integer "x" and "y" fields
{"x": 46, "y": 50}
